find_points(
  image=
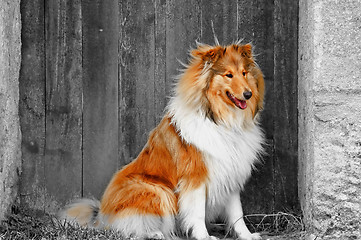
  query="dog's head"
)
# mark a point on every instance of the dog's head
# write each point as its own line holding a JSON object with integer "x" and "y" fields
{"x": 229, "y": 80}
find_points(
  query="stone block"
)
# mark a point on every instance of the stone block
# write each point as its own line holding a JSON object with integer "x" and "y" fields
{"x": 330, "y": 117}
{"x": 10, "y": 136}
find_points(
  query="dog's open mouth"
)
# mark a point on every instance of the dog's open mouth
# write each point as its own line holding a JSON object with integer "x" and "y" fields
{"x": 239, "y": 103}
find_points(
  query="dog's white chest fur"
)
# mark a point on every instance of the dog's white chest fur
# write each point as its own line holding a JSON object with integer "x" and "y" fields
{"x": 229, "y": 154}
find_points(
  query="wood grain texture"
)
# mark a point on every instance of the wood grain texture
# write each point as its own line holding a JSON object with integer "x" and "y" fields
{"x": 63, "y": 152}
{"x": 32, "y": 105}
{"x": 125, "y": 88}
{"x": 183, "y": 26}
{"x": 285, "y": 110}
{"x": 162, "y": 84}
{"x": 139, "y": 74}
{"x": 222, "y": 17}
{"x": 100, "y": 94}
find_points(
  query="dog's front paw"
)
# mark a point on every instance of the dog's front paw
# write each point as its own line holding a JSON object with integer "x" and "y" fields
{"x": 249, "y": 236}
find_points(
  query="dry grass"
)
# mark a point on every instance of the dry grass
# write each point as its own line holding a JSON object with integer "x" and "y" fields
{"x": 30, "y": 225}
{"x": 277, "y": 223}
{"x": 279, "y": 226}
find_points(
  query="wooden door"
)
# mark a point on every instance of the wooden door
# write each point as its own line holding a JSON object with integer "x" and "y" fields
{"x": 96, "y": 76}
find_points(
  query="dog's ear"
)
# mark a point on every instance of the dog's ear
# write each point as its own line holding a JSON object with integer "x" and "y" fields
{"x": 244, "y": 50}
{"x": 208, "y": 54}
{"x": 247, "y": 50}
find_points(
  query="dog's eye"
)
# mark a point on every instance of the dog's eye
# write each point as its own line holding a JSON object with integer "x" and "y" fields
{"x": 229, "y": 75}
{"x": 244, "y": 73}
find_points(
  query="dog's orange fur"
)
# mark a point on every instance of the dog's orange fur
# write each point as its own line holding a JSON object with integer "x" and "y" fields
{"x": 148, "y": 184}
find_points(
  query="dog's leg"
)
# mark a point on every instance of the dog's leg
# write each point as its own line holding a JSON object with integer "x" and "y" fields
{"x": 235, "y": 219}
{"x": 192, "y": 205}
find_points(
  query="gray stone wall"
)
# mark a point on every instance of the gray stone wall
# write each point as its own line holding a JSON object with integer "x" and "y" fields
{"x": 330, "y": 117}
{"x": 10, "y": 139}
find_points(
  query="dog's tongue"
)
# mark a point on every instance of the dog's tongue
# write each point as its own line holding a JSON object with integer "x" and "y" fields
{"x": 240, "y": 103}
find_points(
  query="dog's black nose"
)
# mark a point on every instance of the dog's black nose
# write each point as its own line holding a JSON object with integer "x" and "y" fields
{"x": 247, "y": 94}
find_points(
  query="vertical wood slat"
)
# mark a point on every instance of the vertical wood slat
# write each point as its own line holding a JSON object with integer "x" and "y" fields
{"x": 127, "y": 104}
{"x": 142, "y": 73}
{"x": 138, "y": 73}
{"x": 285, "y": 112}
{"x": 143, "y": 70}
{"x": 255, "y": 25}
{"x": 63, "y": 151}
{"x": 100, "y": 104}
{"x": 222, "y": 15}
{"x": 32, "y": 104}
{"x": 125, "y": 87}
{"x": 183, "y": 29}
{"x": 162, "y": 83}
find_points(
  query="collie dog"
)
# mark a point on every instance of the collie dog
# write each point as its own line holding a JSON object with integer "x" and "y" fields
{"x": 198, "y": 158}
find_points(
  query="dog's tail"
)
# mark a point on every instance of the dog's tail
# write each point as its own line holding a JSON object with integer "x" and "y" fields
{"x": 82, "y": 212}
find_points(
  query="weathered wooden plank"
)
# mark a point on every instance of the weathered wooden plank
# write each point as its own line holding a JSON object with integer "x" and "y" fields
{"x": 183, "y": 26}
{"x": 32, "y": 104}
{"x": 126, "y": 140}
{"x": 222, "y": 17}
{"x": 63, "y": 153}
{"x": 161, "y": 81}
{"x": 285, "y": 110}
{"x": 138, "y": 76}
{"x": 100, "y": 94}
{"x": 255, "y": 25}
